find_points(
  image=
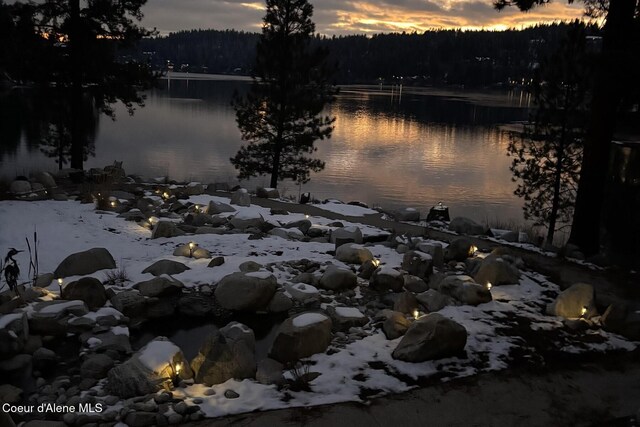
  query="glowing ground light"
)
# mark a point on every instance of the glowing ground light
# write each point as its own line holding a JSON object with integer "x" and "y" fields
{"x": 178, "y": 368}
{"x": 113, "y": 204}
{"x": 489, "y": 286}
{"x": 165, "y": 195}
{"x": 416, "y": 314}
{"x": 375, "y": 262}
{"x": 473, "y": 250}
{"x": 583, "y": 311}
{"x": 307, "y": 216}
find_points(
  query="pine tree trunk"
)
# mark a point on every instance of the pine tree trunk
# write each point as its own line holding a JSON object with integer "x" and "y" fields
{"x": 75, "y": 99}
{"x": 607, "y": 94}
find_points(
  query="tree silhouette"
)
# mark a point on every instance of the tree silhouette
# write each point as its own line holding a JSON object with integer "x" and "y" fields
{"x": 613, "y": 78}
{"x": 281, "y": 115}
{"x": 548, "y": 155}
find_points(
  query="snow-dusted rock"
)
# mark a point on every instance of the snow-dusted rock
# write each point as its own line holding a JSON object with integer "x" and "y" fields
{"x": 353, "y": 253}
{"x": 130, "y": 303}
{"x": 344, "y": 318}
{"x": 576, "y": 301}
{"x": 146, "y": 371}
{"x": 497, "y": 272}
{"x": 215, "y": 208}
{"x": 464, "y": 289}
{"x": 161, "y": 286}
{"x": 59, "y": 308}
{"x": 166, "y": 229}
{"x": 83, "y": 263}
{"x": 468, "y": 226}
{"x": 431, "y": 337}
{"x": 418, "y": 264}
{"x": 45, "y": 179}
{"x": 395, "y": 325}
{"x": 16, "y": 324}
{"x": 385, "y": 278}
{"x": 301, "y": 336}
{"x": 241, "y": 197}
{"x": 459, "y": 249}
{"x": 302, "y": 224}
{"x": 435, "y": 250}
{"x": 194, "y": 189}
{"x": 347, "y": 234}
{"x": 280, "y": 303}
{"x": 407, "y": 214}
{"x": 433, "y": 300}
{"x": 414, "y": 284}
{"x": 267, "y": 193}
{"x": 246, "y": 291}
{"x": 302, "y": 291}
{"x": 249, "y": 267}
{"x": 166, "y": 266}
{"x": 289, "y": 234}
{"x": 225, "y": 354}
{"x": 246, "y": 219}
{"x": 88, "y": 289}
{"x": 337, "y": 279}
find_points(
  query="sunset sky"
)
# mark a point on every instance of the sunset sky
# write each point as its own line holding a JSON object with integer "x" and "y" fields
{"x": 355, "y": 17}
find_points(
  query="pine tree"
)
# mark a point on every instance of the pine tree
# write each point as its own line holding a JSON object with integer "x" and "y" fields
{"x": 281, "y": 115}
{"x": 548, "y": 155}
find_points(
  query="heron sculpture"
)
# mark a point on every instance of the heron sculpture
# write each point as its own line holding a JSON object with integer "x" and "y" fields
{"x": 11, "y": 270}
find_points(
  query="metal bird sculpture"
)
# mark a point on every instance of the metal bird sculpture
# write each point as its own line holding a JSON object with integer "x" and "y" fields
{"x": 11, "y": 270}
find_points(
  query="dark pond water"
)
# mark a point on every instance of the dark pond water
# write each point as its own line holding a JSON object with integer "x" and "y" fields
{"x": 389, "y": 149}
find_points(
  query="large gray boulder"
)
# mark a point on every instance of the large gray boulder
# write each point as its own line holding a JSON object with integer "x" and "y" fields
{"x": 431, "y": 337}
{"x": 215, "y": 208}
{"x": 166, "y": 266}
{"x": 161, "y": 286}
{"x": 497, "y": 272}
{"x": 302, "y": 224}
{"x": 574, "y": 302}
{"x": 267, "y": 193}
{"x": 386, "y": 278}
{"x": 433, "y": 300}
{"x": 352, "y": 253}
{"x": 344, "y": 318}
{"x": 20, "y": 187}
{"x": 270, "y": 372}
{"x": 301, "y": 336}
{"x": 83, "y": 263}
{"x": 395, "y": 325}
{"x": 415, "y": 284}
{"x": 130, "y": 303}
{"x": 407, "y": 214}
{"x": 244, "y": 220}
{"x": 418, "y": 264}
{"x": 435, "y": 250}
{"x": 468, "y": 226}
{"x": 96, "y": 366}
{"x": 338, "y": 279}
{"x": 88, "y": 289}
{"x": 45, "y": 179}
{"x": 348, "y": 234}
{"x": 149, "y": 370}
{"x": 464, "y": 289}
{"x": 246, "y": 291}
{"x": 166, "y": 229}
{"x": 241, "y": 197}
{"x": 459, "y": 249}
{"x": 225, "y": 354}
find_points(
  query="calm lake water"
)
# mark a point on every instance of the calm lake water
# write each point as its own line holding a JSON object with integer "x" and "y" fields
{"x": 390, "y": 149}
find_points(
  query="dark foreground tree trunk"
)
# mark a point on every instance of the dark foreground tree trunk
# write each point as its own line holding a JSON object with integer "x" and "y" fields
{"x": 75, "y": 96}
{"x": 613, "y": 72}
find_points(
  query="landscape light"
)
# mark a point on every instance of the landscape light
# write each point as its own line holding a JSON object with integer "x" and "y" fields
{"x": 472, "y": 250}
{"x": 306, "y": 216}
{"x": 583, "y": 311}
{"x": 191, "y": 247}
{"x": 416, "y": 314}
{"x": 489, "y": 285}
{"x": 375, "y": 262}
{"x": 113, "y": 203}
{"x": 165, "y": 195}
{"x": 178, "y": 368}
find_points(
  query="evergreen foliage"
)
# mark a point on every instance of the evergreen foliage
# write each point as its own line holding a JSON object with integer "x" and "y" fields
{"x": 281, "y": 115}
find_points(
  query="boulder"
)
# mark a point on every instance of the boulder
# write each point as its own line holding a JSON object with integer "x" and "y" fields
{"x": 241, "y": 197}
{"x": 156, "y": 364}
{"x": 267, "y": 193}
{"x": 249, "y": 267}
{"x": 574, "y": 302}
{"x": 58, "y": 309}
{"x": 166, "y": 266}
{"x": 344, "y": 318}
{"x": 429, "y": 338}
{"x": 459, "y": 249}
{"x": 415, "y": 284}
{"x": 161, "y": 286}
{"x": 166, "y": 229}
{"x": 96, "y": 366}
{"x": 464, "y": 289}
{"x": 338, "y": 279}
{"x": 467, "y": 226}
{"x": 352, "y": 253}
{"x": 270, "y": 372}
{"x": 246, "y": 291}
{"x": 433, "y": 300}
{"x": 88, "y": 289}
{"x": 289, "y": 234}
{"x": 302, "y": 224}
{"x": 20, "y": 187}
{"x": 44, "y": 359}
{"x": 215, "y": 208}
{"x": 396, "y": 325}
{"x": 497, "y": 272}
{"x": 407, "y": 214}
{"x": 301, "y": 336}
{"x": 406, "y": 303}
{"x": 280, "y": 303}
{"x": 385, "y": 278}
{"x": 225, "y": 354}
{"x": 216, "y": 262}
{"x": 435, "y": 250}
{"x": 302, "y": 291}
{"x": 346, "y": 234}
{"x": 45, "y": 179}
{"x": 130, "y": 303}
{"x": 194, "y": 189}
{"x": 83, "y": 263}
{"x": 195, "y": 305}
{"x": 17, "y": 325}
{"x": 418, "y": 264}
{"x": 244, "y": 220}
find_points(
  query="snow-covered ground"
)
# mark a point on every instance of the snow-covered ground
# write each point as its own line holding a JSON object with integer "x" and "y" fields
{"x": 351, "y": 372}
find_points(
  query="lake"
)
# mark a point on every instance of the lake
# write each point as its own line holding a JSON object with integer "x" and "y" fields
{"x": 390, "y": 147}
